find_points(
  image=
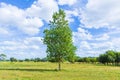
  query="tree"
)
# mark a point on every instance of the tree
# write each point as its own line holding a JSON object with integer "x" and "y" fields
{"x": 37, "y": 60}
{"x": 12, "y": 59}
{"x": 58, "y": 39}
{"x": 93, "y": 59}
{"x": 110, "y": 56}
{"x": 103, "y": 58}
{"x": 117, "y": 60}
{"x": 27, "y": 60}
{"x": 86, "y": 59}
{"x": 2, "y": 57}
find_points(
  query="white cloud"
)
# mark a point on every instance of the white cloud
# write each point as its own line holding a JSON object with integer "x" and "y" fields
{"x": 103, "y": 37}
{"x": 43, "y": 9}
{"x": 104, "y": 16}
{"x": 30, "y": 46}
{"x": 94, "y": 14}
{"x": 81, "y": 34}
{"x": 19, "y": 22}
{"x": 33, "y": 39}
{"x": 101, "y": 13}
{"x": 94, "y": 48}
{"x": 30, "y": 25}
{"x": 13, "y": 16}
{"x": 29, "y": 21}
{"x": 70, "y": 14}
{"x": 67, "y": 2}
{"x": 3, "y": 31}
{"x": 84, "y": 45}
{"x": 27, "y": 43}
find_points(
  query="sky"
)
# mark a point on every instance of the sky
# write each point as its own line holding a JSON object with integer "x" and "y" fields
{"x": 94, "y": 23}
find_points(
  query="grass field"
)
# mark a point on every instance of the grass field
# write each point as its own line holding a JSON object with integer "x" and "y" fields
{"x": 46, "y": 71}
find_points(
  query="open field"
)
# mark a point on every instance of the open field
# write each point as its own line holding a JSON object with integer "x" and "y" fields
{"x": 46, "y": 71}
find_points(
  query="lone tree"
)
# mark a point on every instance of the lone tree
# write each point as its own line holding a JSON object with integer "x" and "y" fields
{"x": 58, "y": 39}
{"x": 2, "y": 57}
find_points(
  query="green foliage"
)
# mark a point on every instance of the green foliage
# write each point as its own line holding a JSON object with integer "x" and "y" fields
{"x": 117, "y": 60}
{"x": 2, "y": 57}
{"x": 44, "y": 60}
{"x": 87, "y": 59}
{"x": 37, "y": 60}
{"x": 12, "y": 59}
{"x": 20, "y": 60}
{"x": 103, "y": 58}
{"x": 94, "y": 60}
{"x": 110, "y": 57}
{"x": 27, "y": 60}
{"x": 58, "y": 39}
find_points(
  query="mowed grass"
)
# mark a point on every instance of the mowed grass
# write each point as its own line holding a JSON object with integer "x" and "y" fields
{"x": 47, "y": 71}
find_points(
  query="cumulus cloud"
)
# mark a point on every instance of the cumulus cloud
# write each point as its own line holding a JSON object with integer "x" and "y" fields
{"x": 102, "y": 37}
{"x": 43, "y": 9}
{"x": 70, "y": 14}
{"x": 30, "y": 20}
{"x": 81, "y": 34}
{"x": 29, "y": 46}
{"x": 92, "y": 14}
{"x": 3, "y": 31}
{"x": 99, "y": 29}
{"x": 86, "y": 48}
{"x": 101, "y": 13}
{"x": 84, "y": 45}
{"x": 24, "y": 23}
{"x": 67, "y": 2}
{"x": 13, "y": 16}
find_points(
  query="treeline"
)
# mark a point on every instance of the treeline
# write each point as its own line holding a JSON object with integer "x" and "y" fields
{"x": 12, "y": 59}
{"x": 110, "y": 57}
{"x": 77, "y": 59}
{"x": 86, "y": 59}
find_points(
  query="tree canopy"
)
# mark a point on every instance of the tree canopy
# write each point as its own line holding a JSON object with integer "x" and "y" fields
{"x": 2, "y": 57}
{"x": 58, "y": 39}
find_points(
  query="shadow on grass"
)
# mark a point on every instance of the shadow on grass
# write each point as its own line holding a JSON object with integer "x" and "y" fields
{"x": 20, "y": 69}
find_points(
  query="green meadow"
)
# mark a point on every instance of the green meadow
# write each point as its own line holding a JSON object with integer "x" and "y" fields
{"x": 47, "y": 71}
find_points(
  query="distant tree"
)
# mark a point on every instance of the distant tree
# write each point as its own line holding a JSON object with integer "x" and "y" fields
{"x": 20, "y": 60}
{"x": 86, "y": 59}
{"x": 110, "y": 56}
{"x": 27, "y": 60}
{"x": 37, "y": 60}
{"x": 12, "y": 59}
{"x": 31, "y": 59}
{"x": 93, "y": 59}
{"x": 58, "y": 39}
{"x": 102, "y": 58}
{"x": 2, "y": 57}
{"x": 117, "y": 59}
{"x": 77, "y": 58}
{"x": 80, "y": 59}
{"x": 44, "y": 59}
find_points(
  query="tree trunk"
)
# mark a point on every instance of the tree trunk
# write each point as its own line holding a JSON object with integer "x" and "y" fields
{"x": 59, "y": 65}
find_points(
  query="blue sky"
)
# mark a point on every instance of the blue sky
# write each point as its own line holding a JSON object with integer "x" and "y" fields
{"x": 95, "y": 26}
